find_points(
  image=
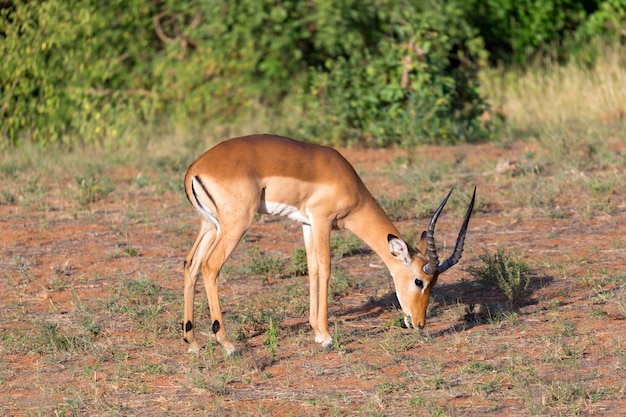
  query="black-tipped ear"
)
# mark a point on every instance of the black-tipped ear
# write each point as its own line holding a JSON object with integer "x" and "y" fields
{"x": 390, "y": 237}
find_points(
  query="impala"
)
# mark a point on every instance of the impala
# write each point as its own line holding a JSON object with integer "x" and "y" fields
{"x": 316, "y": 186}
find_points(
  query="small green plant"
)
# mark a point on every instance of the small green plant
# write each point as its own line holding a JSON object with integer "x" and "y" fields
{"x": 7, "y": 198}
{"x": 262, "y": 264}
{"x": 299, "y": 266}
{"x": 506, "y": 272}
{"x": 51, "y": 340}
{"x": 347, "y": 245}
{"x": 271, "y": 338}
{"x": 91, "y": 189}
{"x": 479, "y": 367}
{"x": 130, "y": 251}
{"x": 91, "y": 326}
{"x": 339, "y": 284}
{"x": 489, "y": 387}
{"x": 23, "y": 265}
{"x": 389, "y": 387}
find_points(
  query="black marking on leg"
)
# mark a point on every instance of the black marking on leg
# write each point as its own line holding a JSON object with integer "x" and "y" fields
{"x": 185, "y": 340}
{"x": 188, "y": 326}
{"x": 185, "y": 264}
{"x": 216, "y": 326}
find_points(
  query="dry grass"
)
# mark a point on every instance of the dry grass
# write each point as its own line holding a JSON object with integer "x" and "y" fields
{"x": 550, "y": 96}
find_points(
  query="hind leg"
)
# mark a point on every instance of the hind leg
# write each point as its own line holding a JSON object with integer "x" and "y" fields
{"x": 317, "y": 244}
{"x": 224, "y": 245}
{"x": 202, "y": 245}
{"x": 212, "y": 247}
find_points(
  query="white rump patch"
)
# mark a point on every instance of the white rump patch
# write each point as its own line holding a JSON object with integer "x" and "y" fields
{"x": 285, "y": 210}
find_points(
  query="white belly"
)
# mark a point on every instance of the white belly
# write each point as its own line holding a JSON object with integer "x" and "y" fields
{"x": 285, "y": 210}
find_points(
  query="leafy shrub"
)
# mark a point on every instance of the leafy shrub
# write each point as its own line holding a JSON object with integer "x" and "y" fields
{"x": 414, "y": 83}
{"x": 607, "y": 21}
{"x": 70, "y": 67}
{"x": 604, "y": 27}
{"x": 515, "y": 31}
{"x": 504, "y": 271}
{"x": 78, "y": 71}
{"x": 381, "y": 71}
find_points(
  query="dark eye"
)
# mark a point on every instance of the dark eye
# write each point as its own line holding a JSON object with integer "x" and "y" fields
{"x": 419, "y": 283}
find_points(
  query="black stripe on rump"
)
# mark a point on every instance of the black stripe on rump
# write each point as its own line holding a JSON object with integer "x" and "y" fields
{"x": 197, "y": 178}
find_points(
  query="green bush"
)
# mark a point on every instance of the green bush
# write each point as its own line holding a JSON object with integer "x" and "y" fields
{"x": 506, "y": 272}
{"x": 414, "y": 82}
{"x": 377, "y": 71}
{"x": 70, "y": 67}
{"x": 605, "y": 27}
{"x": 516, "y": 30}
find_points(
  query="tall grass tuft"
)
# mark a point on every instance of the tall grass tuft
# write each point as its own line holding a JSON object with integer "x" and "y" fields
{"x": 506, "y": 272}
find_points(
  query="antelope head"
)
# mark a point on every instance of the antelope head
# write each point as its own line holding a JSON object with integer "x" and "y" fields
{"x": 422, "y": 267}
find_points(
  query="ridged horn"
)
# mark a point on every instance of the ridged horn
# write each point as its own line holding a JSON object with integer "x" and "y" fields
{"x": 433, "y": 264}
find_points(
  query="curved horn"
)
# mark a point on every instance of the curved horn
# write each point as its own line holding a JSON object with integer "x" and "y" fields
{"x": 431, "y": 249}
{"x": 460, "y": 240}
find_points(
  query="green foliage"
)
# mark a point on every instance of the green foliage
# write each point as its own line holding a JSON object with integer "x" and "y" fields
{"x": 271, "y": 338}
{"x": 50, "y": 339}
{"x": 381, "y": 72}
{"x": 70, "y": 67}
{"x": 299, "y": 266}
{"x": 414, "y": 82}
{"x": 398, "y": 209}
{"x": 515, "y": 31}
{"x": 262, "y": 264}
{"x": 91, "y": 188}
{"x": 504, "y": 271}
{"x": 340, "y": 284}
{"x": 607, "y": 22}
{"x": 604, "y": 27}
{"x": 346, "y": 245}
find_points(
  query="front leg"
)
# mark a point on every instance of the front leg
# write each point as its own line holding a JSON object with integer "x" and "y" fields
{"x": 322, "y": 314}
{"x": 317, "y": 243}
{"x": 313, "y": 282}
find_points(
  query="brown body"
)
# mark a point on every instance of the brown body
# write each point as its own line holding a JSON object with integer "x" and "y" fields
{"x": 311, "y": 184}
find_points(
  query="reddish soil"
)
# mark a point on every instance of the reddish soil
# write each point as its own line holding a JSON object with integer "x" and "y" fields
{"x": 562, "y": 352}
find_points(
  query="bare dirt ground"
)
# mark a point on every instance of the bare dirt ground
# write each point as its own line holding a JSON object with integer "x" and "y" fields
{"x": 91, "y": 305}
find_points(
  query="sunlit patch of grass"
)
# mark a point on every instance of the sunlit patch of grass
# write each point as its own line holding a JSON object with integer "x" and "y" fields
{"x": 251, "y": 321}
{"x": 50, "y": 339}
{"x": 611, "y": 290}
{"x": 144, "y": 303}
{"x": 551, "y": 95}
